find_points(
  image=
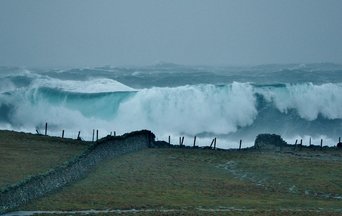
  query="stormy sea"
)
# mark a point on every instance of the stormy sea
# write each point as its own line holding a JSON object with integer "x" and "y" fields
{"x": 296, "y": 101}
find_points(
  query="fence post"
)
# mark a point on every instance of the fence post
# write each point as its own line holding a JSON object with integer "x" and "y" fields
{"x": 182, "y": 140}
{"x": 93, "y": 135}
{"x": 321, "y": 143}
{"x": 212, "y": 142}
{"x": 194, "y": 141}
{"x": 169, "y": 140}
{"x": 97, "y": 135}
{"x": 215, "y": 143}
{"x": 310, "y": 141}
{"x": 78, "y": 135}
{"x": 240, "y": 144}
{"x": 45, "y": 128}
{"x": 62, "y": 133}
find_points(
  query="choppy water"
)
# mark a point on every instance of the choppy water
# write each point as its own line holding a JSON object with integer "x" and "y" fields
{"x": 231, "y": 103}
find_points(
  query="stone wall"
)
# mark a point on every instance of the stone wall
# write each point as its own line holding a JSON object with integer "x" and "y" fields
{"x": 104, "y": 149}
{"x": 270, "y": 142}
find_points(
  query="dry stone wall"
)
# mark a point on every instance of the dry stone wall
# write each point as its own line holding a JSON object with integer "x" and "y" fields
{"x": 39, "y": 185}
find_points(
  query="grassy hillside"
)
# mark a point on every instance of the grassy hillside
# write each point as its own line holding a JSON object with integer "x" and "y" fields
{"x": 198, "y": 181}
{"x": 23, "y": 154}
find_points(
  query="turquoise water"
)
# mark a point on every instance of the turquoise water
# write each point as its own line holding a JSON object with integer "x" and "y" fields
{"x": 295, "y": 101}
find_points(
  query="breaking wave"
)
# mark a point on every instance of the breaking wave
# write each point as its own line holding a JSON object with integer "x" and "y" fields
{"x": 231, "y": 110}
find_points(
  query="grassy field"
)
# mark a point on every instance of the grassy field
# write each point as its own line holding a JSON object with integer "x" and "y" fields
{"x": 23, "y": 154}
{"x": 206, "y": 182}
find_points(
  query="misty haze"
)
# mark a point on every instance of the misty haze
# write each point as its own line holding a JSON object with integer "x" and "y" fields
{"x": 171, "y": 107}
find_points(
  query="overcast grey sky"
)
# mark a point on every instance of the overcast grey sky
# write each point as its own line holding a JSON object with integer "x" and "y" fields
{"x": 193, "y": 32}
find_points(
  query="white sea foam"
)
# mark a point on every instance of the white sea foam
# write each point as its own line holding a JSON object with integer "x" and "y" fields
{"x": 190, "y": 109}
{"x": 6, "y": 86}
{"x": 308, "y": 100}
{"x": 95, "y": 85}
{"x": 178, "y": 111}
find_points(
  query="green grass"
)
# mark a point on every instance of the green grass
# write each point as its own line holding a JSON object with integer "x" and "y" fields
{"x": 316, "y": 174}
{"x": 190, "y": 179}
{"x": 22, "y": 154}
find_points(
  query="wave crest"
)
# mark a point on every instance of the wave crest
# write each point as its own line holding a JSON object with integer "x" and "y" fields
{"x": 308, "y": 100}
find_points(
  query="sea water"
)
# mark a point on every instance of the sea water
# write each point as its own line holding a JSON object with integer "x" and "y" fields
{"x": 296, "y": 101}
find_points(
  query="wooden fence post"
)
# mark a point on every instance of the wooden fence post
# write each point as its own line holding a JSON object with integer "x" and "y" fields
{"x": 310, "y": 141}
{"x": 212, "y": 142}
{"x": 78, "y": 135}
{"x": 215, "y": 143}
{"x": 194, "y": 141}
{"x": 169, "y": 140}
{"x": 97, "y": 135}
{"x": 93, "y": 135}
{"x": 182, "y": 140}
{"x": 62, "y": 133}
{"x": 45, "y": 128}
{"x": 240, "y": 144}
{"x": 321, "y": 143}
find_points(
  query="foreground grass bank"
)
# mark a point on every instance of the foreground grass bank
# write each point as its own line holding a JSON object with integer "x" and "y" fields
{"x": 23, "y": 154}
{"x": 197, "y": 181}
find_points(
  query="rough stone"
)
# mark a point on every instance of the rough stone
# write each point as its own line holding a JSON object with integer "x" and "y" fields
{"x": 39, "y": 185}
{"x": 269, "y": 142}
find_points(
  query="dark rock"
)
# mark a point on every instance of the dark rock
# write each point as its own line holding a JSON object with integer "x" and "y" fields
{"x": 162, "y": 144}
{"x": 269, "y": 142}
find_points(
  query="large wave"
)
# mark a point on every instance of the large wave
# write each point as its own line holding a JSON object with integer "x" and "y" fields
{"x": 307, "y": 99}
{"x": 232, "y": 110}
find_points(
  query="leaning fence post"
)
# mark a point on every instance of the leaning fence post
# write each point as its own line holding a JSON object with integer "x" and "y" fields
{"x": 215, "y": 143}
{"x": 194, "y": 141}
{"x": 45, "y": 128}
{"x": 182, "y": 140}
{"x": 62, "y": 133}
{"x": 240, "y": 144}
{"x": 212, "y": 142}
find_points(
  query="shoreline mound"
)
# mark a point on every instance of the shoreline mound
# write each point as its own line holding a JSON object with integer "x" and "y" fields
{"x": 269, "y": 142}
